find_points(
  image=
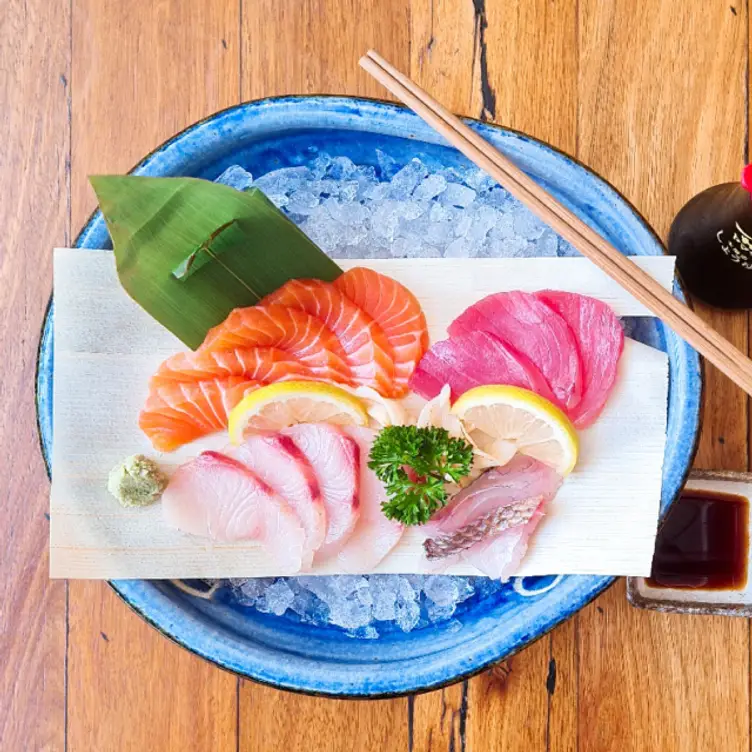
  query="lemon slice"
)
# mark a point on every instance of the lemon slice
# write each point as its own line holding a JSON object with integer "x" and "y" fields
{"x": 504, "y": 420}
{"x": 288, "y": 402}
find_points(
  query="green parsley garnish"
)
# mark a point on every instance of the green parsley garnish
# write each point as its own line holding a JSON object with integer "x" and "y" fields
{"x": 414, "y": 464}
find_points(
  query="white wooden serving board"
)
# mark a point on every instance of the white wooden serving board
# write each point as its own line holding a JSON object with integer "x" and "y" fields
{"x": 603, "y": 521}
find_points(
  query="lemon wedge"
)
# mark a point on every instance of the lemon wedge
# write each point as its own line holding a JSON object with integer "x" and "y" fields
{"x": 504, "y": 420}
{"x": 288, "y": 402}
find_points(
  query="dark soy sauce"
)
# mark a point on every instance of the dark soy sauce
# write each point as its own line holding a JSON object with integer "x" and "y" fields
{"x": 703, "y": 543}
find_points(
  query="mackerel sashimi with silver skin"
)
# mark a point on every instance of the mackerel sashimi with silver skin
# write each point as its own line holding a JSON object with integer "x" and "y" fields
{"x": 521, "y": 483}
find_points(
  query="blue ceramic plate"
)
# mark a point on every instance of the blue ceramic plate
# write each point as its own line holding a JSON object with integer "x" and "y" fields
{"x": 269, "y": 134}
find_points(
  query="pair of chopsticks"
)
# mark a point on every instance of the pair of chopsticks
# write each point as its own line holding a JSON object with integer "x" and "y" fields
{"x": 687, "y": 324}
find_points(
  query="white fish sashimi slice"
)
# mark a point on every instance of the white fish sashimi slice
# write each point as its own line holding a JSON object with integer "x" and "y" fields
{"x": 499, "y": 557}
{"x": 374, "y": 535}
{"x": 217, "y": 497}
{"x": 282, "y": 466}
{"x": 335, "y": 459}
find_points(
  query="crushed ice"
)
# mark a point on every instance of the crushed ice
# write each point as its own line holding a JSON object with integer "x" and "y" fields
{"x": 382, "y": 211}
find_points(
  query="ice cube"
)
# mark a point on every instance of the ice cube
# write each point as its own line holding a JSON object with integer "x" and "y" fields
{"x": 407, "y": 615}
{"x": 320, "y": 165}
{"x": 302, "y": 202}
{"x": 438, "y": 613}
{"x": 340, "y": 168}
{"x": 463, "y": 225}
{"x": 236, "y": 177}
{"x": 461, "y": 248}
{"x": 527, "y": 225}
{"x": 457, "y": 195}
{"x": 441, "y": 590}
{"x": 567, "y": 249}
{"x": 276, "y": 599}
{"x": 387, "y": 165}
{"x": 430, "y": 187}
{"x": 547, "y": 245}
{"x": 405, "y": 180}
{"x": 284, "y": 180}
{"x": 349, "y": 612}
{"x": 248, "y": 591}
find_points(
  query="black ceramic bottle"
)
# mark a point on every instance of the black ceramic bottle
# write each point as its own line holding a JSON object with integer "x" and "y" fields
{"x": 711, "y": 238}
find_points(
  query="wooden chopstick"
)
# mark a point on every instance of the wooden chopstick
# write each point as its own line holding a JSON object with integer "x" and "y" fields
{"x": 687, "y": 324}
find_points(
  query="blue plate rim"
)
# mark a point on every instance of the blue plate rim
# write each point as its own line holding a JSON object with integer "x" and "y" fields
{"x": 598, "y": 584}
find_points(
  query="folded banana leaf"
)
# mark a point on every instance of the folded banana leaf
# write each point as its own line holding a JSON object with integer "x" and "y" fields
{"x": 188, "y": 251}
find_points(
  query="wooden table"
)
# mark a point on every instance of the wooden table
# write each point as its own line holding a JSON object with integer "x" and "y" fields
{"x": 653, "y": 95}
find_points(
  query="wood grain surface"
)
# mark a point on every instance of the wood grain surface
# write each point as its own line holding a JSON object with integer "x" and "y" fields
{"x": 653, "y": 95}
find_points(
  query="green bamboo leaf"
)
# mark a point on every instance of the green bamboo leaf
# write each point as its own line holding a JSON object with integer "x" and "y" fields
{"x": 188, "y": 251}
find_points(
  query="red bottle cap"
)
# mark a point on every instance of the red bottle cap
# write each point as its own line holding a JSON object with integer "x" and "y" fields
{"x": 747, "y": 178}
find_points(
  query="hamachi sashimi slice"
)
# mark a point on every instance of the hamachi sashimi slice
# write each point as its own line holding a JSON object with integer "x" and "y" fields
{"x": 303, "y": 336}
{"x": 600, "y": 339}
{"x": 473, "y": 359}
{"x": 267, "y": 364}
{"x": 396, "y": 310}
{"x": 335, "y": 459}
{"x": 367, "y": 350}
{"x": 526, "y": 324}
{"x": 521, "y": 480}
{"x": 180, "y": 412}
{"x": 374, "y": 536}
{"x": 283, "y": 467}
{"x": 216, "y": 497}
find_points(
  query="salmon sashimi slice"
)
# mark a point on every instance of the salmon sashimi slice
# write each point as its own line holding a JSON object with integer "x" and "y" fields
{"x": 396, "y": 310}
{"x": 267, "y": 364}
{"x": 335, "y": 459}
{"x": 217, "y": 497}
{"x": 374, "y": 536}
{"x": 525, "y": 486}
{"x": 284, "y": 468}
{"x": 180, "y": 412}
{"x": 367, "y": 350}
{"x": 600, "y": 339}
{"x": 530, "y": 327}
{"x": 473, "y": 359}
{"x": 303, "y": 336}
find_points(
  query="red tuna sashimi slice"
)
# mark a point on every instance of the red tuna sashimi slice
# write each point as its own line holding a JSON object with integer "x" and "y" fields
{"x": 282, "y": 466}
{"x": 396, "y": 310}
{"x": 301, "y": 335}
{"x": 267, "y": 364}
{"x": 177, "y": 413}
{"x": 367, "y": 350}
{"x": 216, "y": 497}
{"x": 473, "y": 359}
{"x": 525, "y": 323}
{"x": 600, "y": 340}
{"x": 374, "y": 536}
{"x": 335, "y": 458}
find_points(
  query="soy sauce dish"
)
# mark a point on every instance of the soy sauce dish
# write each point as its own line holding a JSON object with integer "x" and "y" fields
{"x": 701, "y": 563}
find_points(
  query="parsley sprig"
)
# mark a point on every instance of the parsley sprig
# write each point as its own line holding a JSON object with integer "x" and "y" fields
{"x": 414, "y": 464}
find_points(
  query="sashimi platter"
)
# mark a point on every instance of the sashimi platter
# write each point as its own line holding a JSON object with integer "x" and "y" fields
{"x": 353, "y": 395}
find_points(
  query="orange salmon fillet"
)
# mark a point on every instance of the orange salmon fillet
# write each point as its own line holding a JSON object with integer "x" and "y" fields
{"x": 365, "y": 345}
{"x": 301, "y": 335}
{"x": 179, "y": 412}
{"x": 396, "y": 310}
{"x": 266, "y": 364}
